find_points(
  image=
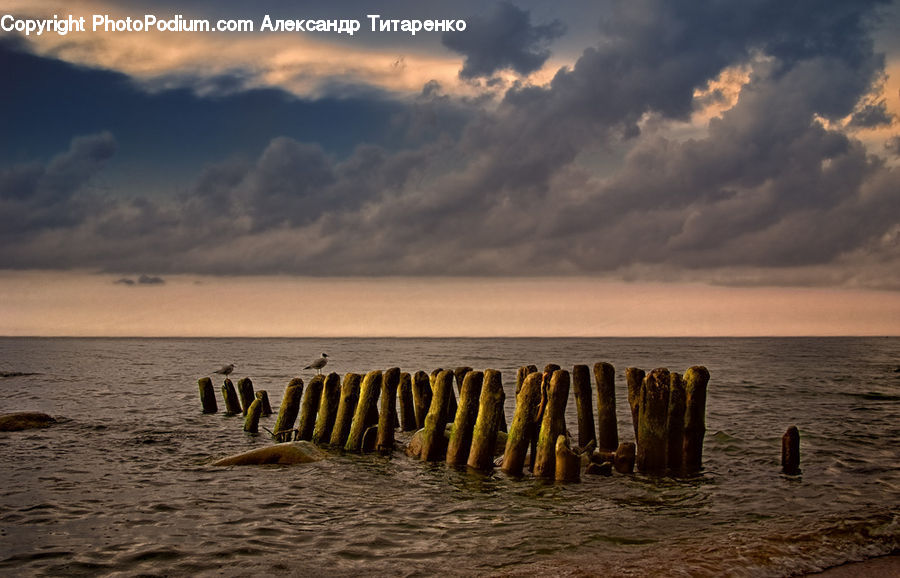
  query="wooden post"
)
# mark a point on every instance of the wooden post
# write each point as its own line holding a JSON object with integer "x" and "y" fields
{"x": 362, "y": 418}
{"x": 232, "y": 403}
{"x": 251, "y": 424}
{"x": 245, "y": 392}
{"x": 521, "y": 374}
{"x": 421, "y": 397}
{"x": 521, "y": 429}
{"x": 624, "y": 458}
{"x": 675, "y": 425}
{"x": 310, "y": 408}
{"x": 434, "y": 442}
{"x": 790, "y": 451}
{"x": 568, "y": 464}
{"x": 346, "y": 409}
{"x": 407, "y": 404}
{"x": 263, "y": 396}
{"x": 654, "y": 413}
{"x": 328, "y": 408}
{"x": 607, "y": 425}
{"x": 207, "y": 395}
{"x": 634, "y": 378}
{"x": 464, "y": 422}
{"x": 287, "y": 413}
{"x": 487, "y": 424}
{"x": 459, "y": 375}
{"x": 696, "y": 380}
{"x": 581, "y": 385}
{"x": 387, "y": 420}
{"x": 553, "y": 424}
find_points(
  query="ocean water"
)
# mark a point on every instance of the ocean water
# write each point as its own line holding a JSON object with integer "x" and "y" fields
{"x": 123, "y": 484}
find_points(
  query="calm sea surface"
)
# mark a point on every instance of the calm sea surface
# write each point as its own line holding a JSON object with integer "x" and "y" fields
{"x": 123, "y": 484}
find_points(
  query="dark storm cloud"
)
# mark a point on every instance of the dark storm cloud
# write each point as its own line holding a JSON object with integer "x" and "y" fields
{"x": 872, "y": 116}
{"x": 505, "y": 39}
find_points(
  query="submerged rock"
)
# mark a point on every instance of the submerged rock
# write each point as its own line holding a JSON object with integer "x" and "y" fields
{"x": 288, "y": 453}
{"x": 25, "y": 420}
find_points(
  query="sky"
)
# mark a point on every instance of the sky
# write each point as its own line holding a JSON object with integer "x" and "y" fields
{"x": 612, "y": 167}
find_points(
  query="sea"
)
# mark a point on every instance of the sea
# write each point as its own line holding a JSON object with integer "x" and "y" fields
{"x": 124, "y": 484}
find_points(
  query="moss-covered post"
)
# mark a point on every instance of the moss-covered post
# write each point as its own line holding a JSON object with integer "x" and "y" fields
{"x": 675, "y": 425}
{"x": 263, "y": 397}
{"x": 553, "y": 424}
{"x": 464, "y": 421}
{"x": 287, "y": 413}
{"x": 232, "y": 402}
{"x": 387, "y": 421}
{"x": 328, "y": 408}
{"x": 459, "y": 374}
{"x": 581, "y": 386}
{"x": 696, "y": 380}
{"x": 522, "y": 426}
{"x": 434, "y": 442}
{"x": 363, "y": 417}
{"x": 310, "y": 408}
{"x": 488, "y": 422}
{"x": 654, "y": 413}
{"x": 451, "y": 401}
{"x": 207, "y": 395}
{"x": 523, "y": 373}
{"x": 346, "y": 409}
{"x": 634, "y": 378}
{"x": 607, "y": 424}
{"x": 245, "y": 392}
{"x": 790, "y": 451}
{"x": 421, "y": 397}
{"x": 567, "y": 467}
{"x": 251, "y": 423}
{"x": 407, "y": 404}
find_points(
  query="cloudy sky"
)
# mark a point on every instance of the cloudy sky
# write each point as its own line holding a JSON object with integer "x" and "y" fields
{"x": 632, "y": 167}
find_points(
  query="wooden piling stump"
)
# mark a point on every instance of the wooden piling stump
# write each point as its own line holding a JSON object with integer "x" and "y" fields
{"x": 652, "y": 421}
{"x": 346, "y": 409}
{"x": 287, "y": 413}
{"x": 407, "y": 404}
{"x": 310, "y": 408}
{"x": 263, "y": 396}
{"x": 696, "y": 380}
{"x": 464, "y": 422}
{"x": 790, "y": 451}
{"x": 207, "y": 395}
{"x": 553, "y": 424}
{"x": 434, "y": 442}
{"x": 365, "y": 409}
{"x": 421, "y": 397}
{"x": 607, "y": 425}
{"x": 567, "y": 465}
{"x": 634, "y": 378}
{"x": 328, "y": 409}
{"x": 387, "y": 419}
{"x": 581, "y": 386}
{"x": 675, "y": 425}
{"x": 245, "y": 392}
{"x": 488, "y": 422}
{"x": 232, "y": 402}
{"x": 624, "y": 458}
{"x": 251, "y": 423}
{"x": 523, "y": 373}
{"x": 522, "y": 426}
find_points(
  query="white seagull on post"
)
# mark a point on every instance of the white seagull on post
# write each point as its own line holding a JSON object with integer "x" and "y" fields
{"x": 226, "y": 371}
{"x": 318, "y": 364}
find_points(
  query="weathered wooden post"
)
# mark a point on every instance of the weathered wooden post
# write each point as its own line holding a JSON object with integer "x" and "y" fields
{"x": 346, "y": 409}
{"x": 487, "y": 424}
{"x": 451, "y": 402}
{"x": 232, "y": 403}
{"x": 263, "y": 396}
{"x": 675, "y": 425}
{"x": 387, "y": 420}
{"x": 581, "y": 385}
{"x": 287, "y": 413}
{"x": 568, "y": 464}
{"x": 696, "y": 380}
{"x": 464, "y": 422}
{"x": 407, "y": 404}
{"x": 363, "y": 417}
{"x": 607, "y": 425}
{"x": 790, "y": 451}
{"x": 654, "y": 413}
{"x": 634, "y": 378}
{"x": 310, "y": 408}
{"x": 245, "y": 392}
{"x": 521, "y": 374}
{"x": 623, "y": 461}
{"x": 459, "y": 375}
{"x": 421, "y": 397}
{"x": 251, "y": 423}
{"x": 207, "y": 395}
{"x": 434, "y": 442}
{"x": 522, "y": 426}
{"x": 328, "y": 408}
{"x": 553, "y": 424}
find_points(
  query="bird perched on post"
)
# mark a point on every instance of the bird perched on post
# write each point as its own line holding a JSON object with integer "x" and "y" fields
{"x": 226, "y": 371}
{"x": 318, "y": 364}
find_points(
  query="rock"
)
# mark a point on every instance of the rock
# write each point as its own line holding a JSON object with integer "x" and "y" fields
{"x": 25, "y": 420}
{"x": 288, "y": 453}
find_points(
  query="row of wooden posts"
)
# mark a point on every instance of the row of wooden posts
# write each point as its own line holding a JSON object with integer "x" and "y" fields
{"x": 668, "y": 412}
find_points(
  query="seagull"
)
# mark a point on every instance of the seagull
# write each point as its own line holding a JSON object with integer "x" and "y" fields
{"x": 226, "y": 371}
{"x": 318, "y": 364}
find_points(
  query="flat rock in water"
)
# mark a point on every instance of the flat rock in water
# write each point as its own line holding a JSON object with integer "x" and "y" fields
{"x": 25, "y": 420}
{"x": 288, "y": 453}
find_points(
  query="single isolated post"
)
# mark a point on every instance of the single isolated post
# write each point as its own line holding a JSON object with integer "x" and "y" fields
{"x": 346, "y": 409}
{"x": 487, "y": 424}
{"x": 245, "y": 392}
{"x": 287, "y": 413}
{"x": 464, "y": 422}
{"x": 675, "y": 425}
{"x": 634, "y": 378}
{"x": 568, "y": 463}
{"x": 696, "y": 380}
{"x": 421, "y": 397}
{"x": 263, "y": 396}
{"x": 365, "y": 409}
{"x": 207, "y": 395}
{"x": 434, "y": 442}
{"x": 790, "y": 451}
{"x": 232, "y": 403}
{"x": 251, "y": 424}
{"x": 328, "y": 408}
{"x": 581, "y": 385}
{"x": 387, "y": 419}
{"x": 407, "y": 404}
{"x": 607, "y": 425}
{"x": 310, "y": 408}
{"x": 654, "y": 413}
{"x": 553, "y": 424}
{"x": 521, "y": 427}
